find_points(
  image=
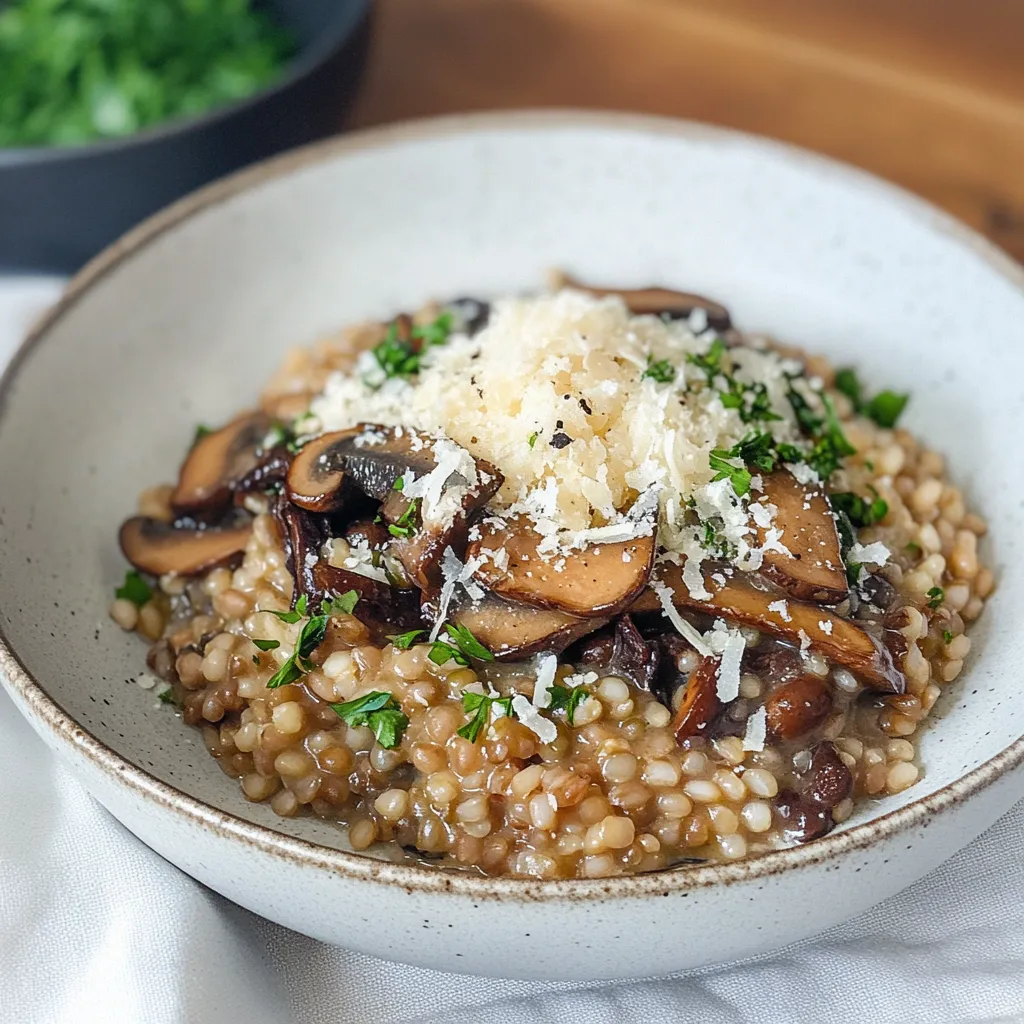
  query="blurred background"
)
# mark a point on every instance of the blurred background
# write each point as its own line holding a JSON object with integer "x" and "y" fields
{"x": 927, "y": 93}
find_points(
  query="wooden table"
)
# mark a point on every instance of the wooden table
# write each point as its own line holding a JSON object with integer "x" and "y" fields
{"x": 927, "y": 93}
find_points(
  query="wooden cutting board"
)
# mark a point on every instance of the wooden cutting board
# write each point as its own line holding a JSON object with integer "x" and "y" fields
{"x": 927, "y": 93}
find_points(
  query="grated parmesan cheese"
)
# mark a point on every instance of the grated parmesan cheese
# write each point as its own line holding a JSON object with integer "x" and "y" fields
{"x": 543, "y": 728}
{"x": 757, "y": 730}
{"x": 546, "y": 667}
{"x": 869, "y": 554}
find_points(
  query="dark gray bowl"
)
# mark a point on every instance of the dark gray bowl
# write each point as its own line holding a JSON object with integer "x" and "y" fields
{"x": 61, "y": 205}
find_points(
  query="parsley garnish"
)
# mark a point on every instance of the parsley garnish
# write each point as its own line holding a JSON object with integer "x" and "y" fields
{"x": 399, "y": 357}
{"x": 201, "y": 431}
{"x": 267, "y": 645}
{"x": 293, "y": 616}
{"x": 312, "y": 635}
{"x": 403, "y": 641}
{"x": 134, "y": 589}
{"x": 738, "y": 476}
{"x": 660, "y": 371}
{"x": 463, "y": 646}
{"x": 935, "y": 597}
{"x": 947, "y": 636}
{"x": 532, "y": 439}
{"x": 479, "y": 706}
{"x": 407, "y": 523}
{"x": 885, "y": 408}
{"x": 167, "y": 696}
{"x": 568, "y": 700}
{"x": 345, "y": 604}
{"x": 710, "y": 361}
{"x": 831, "y": 445}
{"x": 380, "y": 712}
{"x": 751, "y": 401}
{"x": 914, "y": 548}
{"x": 860, "y": 511}
{"x": 853, "y": 570}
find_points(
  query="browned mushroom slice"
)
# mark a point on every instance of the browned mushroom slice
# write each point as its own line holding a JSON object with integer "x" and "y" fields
{"x": 658, "y": 300}
{"x": 813, "y": 569}
{"x": 215, "y": 461}
{"x": 511, "y": 630}
{"x": 157, "y": 547}
{"x": 317, "y": 472}
{"x": 700, "y": 702}
{"x": 836, "y": 638}
{"x": 382, "y": 608}
{"x": 600, "y": 579}
{"x": 797, "y": 706}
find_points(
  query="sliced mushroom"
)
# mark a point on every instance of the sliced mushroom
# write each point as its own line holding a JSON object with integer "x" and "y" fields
{"x": 811, "y": 569}
{"x": 511, "y": 630}
{"x": 382, "y": 608}
{"x": 303, "y": 535}
{"x": 796, "y": 707}
{"x": 598, "y": 580}
{"x": 623, "y": 652}
{"x": 317, "y": 472}
{"x": 836, "y": 638}
{"x": 216, "y": 461}
{"x": 805, "y": 812}
{"x": 157, "y": 547}
{"x": 657, "y": 301}
{"x": 700, "y": 702}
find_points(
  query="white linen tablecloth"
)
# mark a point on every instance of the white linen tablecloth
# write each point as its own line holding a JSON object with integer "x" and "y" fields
{"x": 96, "y": 927}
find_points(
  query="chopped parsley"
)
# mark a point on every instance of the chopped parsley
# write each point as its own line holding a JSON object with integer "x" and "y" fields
{"x": 345, "y": 604}
{"x": 134, "y": 589}
{"x": 947, "y": 636}
{"x": 709, "y": 362}
{"x": 293, "y": 616}
{"x": 660, "y": 371}
{"x": 378, "y": 710}
{"x": 860, "y": 511}
{"x": 167, "y": 696}
{"x": 402, "y": 357}
{"x": 885, "y": 408}
{"x": 935, "y": 597}
{"x": 564, "y": 698}
{"x": 462, "y": 647}
{"x": 202, "y": 430}
{"x": 914, "y": 548}
{"x": 312, "y": 635}
{"x": 408, "y": 522}
{"x": 830, "y": 443}
{"x": 479, "y": 706}
{"x": 532, "y": 439}
{"x": 403, "y": 641}
{"x": 738, "y": 476}
{"x": 267, "y": 645}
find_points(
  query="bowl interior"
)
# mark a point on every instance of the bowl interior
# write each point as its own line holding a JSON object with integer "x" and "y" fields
{"x": 186, "y": 328}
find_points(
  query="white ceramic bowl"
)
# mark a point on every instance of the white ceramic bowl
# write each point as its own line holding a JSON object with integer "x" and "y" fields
{"x": 183, "y": 320}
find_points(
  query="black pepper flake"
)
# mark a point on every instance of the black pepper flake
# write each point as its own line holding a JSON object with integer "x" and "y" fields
{"x": 559, "y": 425}
{"x": 586, "y": 408}
{"x": 560, "y": 440}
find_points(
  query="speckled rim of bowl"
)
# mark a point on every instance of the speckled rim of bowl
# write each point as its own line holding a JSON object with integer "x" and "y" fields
{"x": 414, "y": 877}
{"x": 306, "y": 60}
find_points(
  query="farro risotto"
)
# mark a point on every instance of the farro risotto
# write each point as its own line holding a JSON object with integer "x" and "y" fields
{"x": 571, "y": 585}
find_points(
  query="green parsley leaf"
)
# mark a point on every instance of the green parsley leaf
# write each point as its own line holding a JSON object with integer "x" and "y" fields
{"x": 848, "y": 384}
{"x": 289, "y": 672}
{"x": 167, "y": 696}
{"x": 408, "y": 522}
{"x": 660, "y": 371}
{"x": 312, "y": 636}
{"x": 935, "y": 597}
{"x": 293, "y": 616}
{"x": 267, "y": 645}
{"x": 479, "y": 706}
{"x": 738, "y": 476}
{"x": 532, "y": 439}
{"x": 378, "y": 710}
{"x": 403, "y": 641}
{"x": 342, "y": 605}
{"x": 467, "y": 643}
{"x": 134, "y": 589}
{"x": 751, "y": 400}
{"x": 398, "y": 357}
{"x": 201, "y": 431}
{"x": 710, "y": 361}
{"x": 947, "y": 636}
{"x": 564, "y": 698}
{"x": 886, "y": 408}
{"x": 436, "y": 332}
{"x": 790, "y": 453}
{"x": 853, "y": 571}
{"x": 914, "y": 548}
{"x": 399, "y": 483}
{"x": 440, "y": 652}
{"x": 860, "y": 511}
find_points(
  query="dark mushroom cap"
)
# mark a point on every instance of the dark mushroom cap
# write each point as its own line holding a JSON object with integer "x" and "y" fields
{"x": 158, "y": 547}
{"x": 216, "y": 461}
